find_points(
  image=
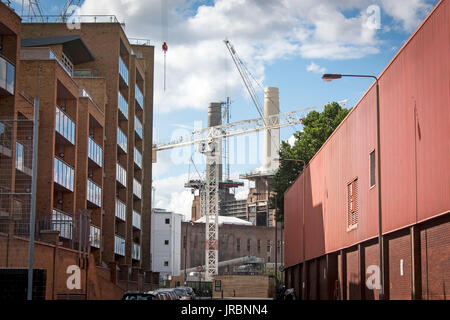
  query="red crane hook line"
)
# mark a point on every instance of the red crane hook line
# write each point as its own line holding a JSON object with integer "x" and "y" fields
{"x": 164, "y": 47}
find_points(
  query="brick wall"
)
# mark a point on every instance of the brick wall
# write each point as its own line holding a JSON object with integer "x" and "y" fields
{"x": 399, "y": 248}
{"x": 435, "y": 252}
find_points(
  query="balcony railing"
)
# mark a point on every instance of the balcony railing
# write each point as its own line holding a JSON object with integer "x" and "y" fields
{"x": 41, "y": 53}
{"x": 94, "y": 193}
{"x": 95, "y": 152}
{"x": 63, "y": 223}
{"x": 138, "y": 126}
{"x": 137, "y": 189}
{"x": 136, "y": 220}
{"x": 64, "y": 125}
{"x": 123, "y": 70}
{"x": 63, "y": 174}
{"x": 123, "y": 105}
{"x": 78, "y": 18}
{"x": 121, "y": 175}
{"x": 122, "y": 140}
{"x": 136, "y": 254}
{"x": 121, "y": 210}
{"x": 139, "y": 97}
{"x": 119, "y": 245}
{"x": 137, "y": 157}
{"x": 7, "y": 74}
{"x": 95, "y": 237}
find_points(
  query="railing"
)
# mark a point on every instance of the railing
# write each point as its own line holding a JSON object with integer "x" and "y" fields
{"x": 136, "y": 254}
{"x": 139, "y": 97}
{"x": 76, "y": 18}
{"x": 94, "y": 193}
{"x": 139, "y": 42}
{"x": 137, "y": 157}
{"x": 122, "y": 140}
{"x": 64, "y": 125}
{"x": 95, "y": 152}
{"x": 63, "y": 223}
{"x": 123, "y": 70}
{"x": 63, "y": 174}
{"x": 137, "y": 189}
{"x": 123, "y": 105}
{"x": 121, "y": 210}
{"x": 136, "y": 220}
{"x": 95, "y": 237}
{"x": 20, "y": 163}
{"x": 138, "y": 126}
{"x": 119, "y": 245}
{"x": 41, "y": 53}
{"x": 121, "y": 175}
{"x": 7, "y": 74}
{"x": 85, "y": 73}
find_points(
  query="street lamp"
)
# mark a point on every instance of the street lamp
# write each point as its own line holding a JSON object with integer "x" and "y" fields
{"x": 330, "y": 77}
{"x": 303, "y": 217}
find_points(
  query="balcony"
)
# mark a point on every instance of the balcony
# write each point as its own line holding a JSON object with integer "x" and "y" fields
{"x": 7, "y": 74}
{"x": 137, "y": 189}
{"x": 122, "y": 140}
{"x": 63, "y": 174}
{"x": 41, "y": 53}
{"x": 136, "y": 254}
{"x": 123, "y": 106}
{"x": 20, "y": 160}
{"x": 123, "y": 70}
{"x": 121, "y": 210}
{"x": 139, "y": 97}
{"x": 136, "y": 220}
{"x": 138, "y": 127}
{"x": 94, "y": 193}
{"x": 95, "y": 152}
{"x": 119, "y": 245}
{"x": 137, "y": 158}
{"x": 121, "y": 175}
{"x": 64, "y": 125}
{"x": 94, "y": 237}
{"x": 63, "y": 223}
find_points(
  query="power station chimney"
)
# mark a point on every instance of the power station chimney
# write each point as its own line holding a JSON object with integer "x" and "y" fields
{"x": 215, "y": 119}
{"x": 271, "y": 142}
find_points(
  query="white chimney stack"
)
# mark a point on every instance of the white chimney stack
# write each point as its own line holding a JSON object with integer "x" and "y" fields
{"x": 271, "y": 142}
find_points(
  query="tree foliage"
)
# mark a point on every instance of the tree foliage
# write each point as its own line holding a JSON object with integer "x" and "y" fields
{"x": 317, "y": 127}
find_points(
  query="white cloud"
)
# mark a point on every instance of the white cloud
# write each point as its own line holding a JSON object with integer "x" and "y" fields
{"x": 313, "y": 67}
{"x": 198, "y": 66}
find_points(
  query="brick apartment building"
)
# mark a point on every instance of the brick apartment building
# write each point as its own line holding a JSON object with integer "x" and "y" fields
{"x": 95, "y": 98}
{"x": 332, "y": 243}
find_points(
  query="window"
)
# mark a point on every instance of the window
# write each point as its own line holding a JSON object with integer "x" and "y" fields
{"x": 167, "y": 221}
{"x": 166, "y": 242}
{"x": 268, "y": 245}
{"x": 259, "y": 245}
{"x": 166, "y": 263}
{"x": 218, "y": 285}
{"x": 248, "y": 245}
{"x": 238, "y": 244}
{"x": 352, "y": 214}
{"x": 372, "y": 168}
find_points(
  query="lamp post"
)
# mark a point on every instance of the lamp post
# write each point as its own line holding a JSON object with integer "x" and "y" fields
{"x": 303, "y": 219}
{"x": 333, "y": 76}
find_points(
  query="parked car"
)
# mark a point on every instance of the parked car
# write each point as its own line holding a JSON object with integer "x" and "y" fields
{"x": 189, "y": 291}
{"x": 168, "y": 292}
{"x": 182, "y": 293}
{"x": 139, "y": 296}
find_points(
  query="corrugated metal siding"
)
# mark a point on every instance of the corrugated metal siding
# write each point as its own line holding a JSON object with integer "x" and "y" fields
{"x": 415, "y": 131}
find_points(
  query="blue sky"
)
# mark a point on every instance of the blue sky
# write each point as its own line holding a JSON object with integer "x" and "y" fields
{"x": 277, "y": 40}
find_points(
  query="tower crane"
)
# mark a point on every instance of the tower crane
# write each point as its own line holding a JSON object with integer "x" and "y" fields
{"x": 208, "y": 140}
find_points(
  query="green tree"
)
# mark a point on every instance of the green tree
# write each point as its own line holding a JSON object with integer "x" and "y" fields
{"x": 317, "y": 127}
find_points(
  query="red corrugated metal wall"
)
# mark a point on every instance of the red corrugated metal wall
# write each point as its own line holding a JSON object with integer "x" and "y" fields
{"x": 415, "y": 153}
